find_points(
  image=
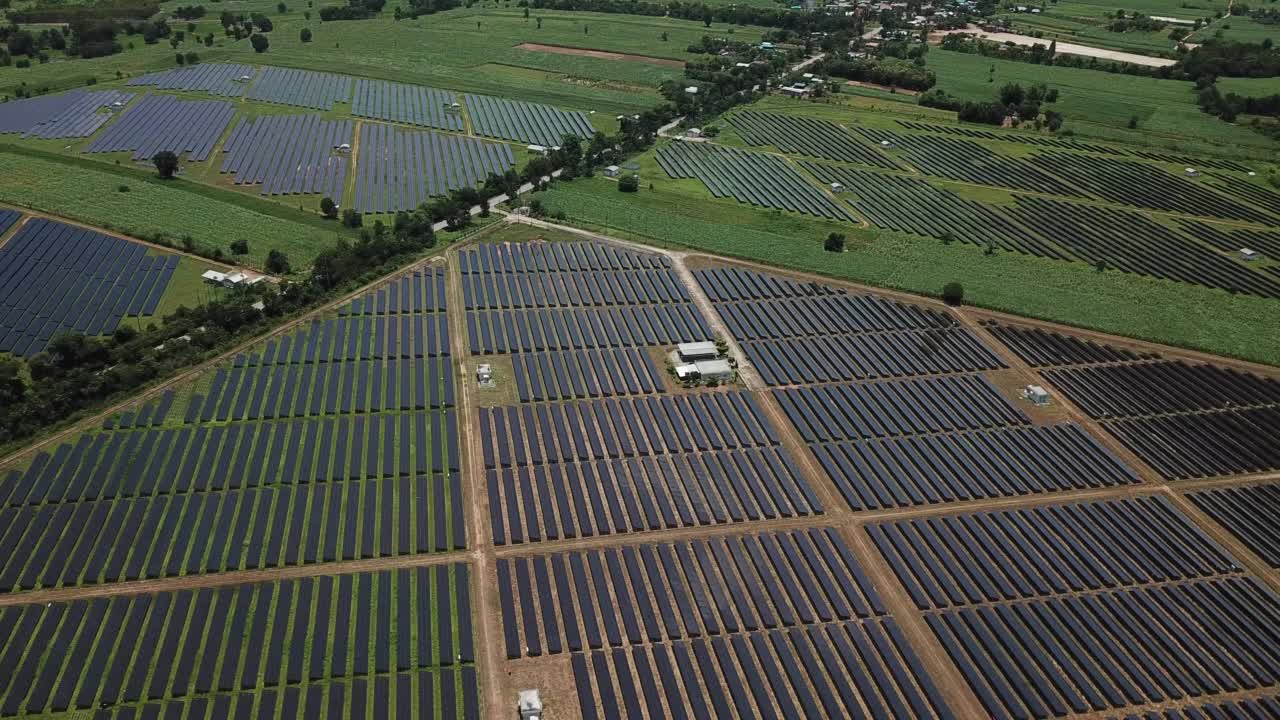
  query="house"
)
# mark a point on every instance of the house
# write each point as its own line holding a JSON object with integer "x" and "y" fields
{"x": 767, "y": 46}
{"x": 795, "y": 91}
{"x": 343, "y": 148}
{"x": 694, "y": 351}
{"x": 693, "y": 132}
{"x": 538, "y": 149}
{"x": 234, "y": 279}
{"x": 612, "y": 171}
{"x": 214, "y": 276}
{"x": 742, "y": 65}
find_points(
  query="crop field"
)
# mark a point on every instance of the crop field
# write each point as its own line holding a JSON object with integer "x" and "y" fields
{"x": 58, "y": 278}
{"x": 289, "y": 154}
{"x": 749, "y": 177}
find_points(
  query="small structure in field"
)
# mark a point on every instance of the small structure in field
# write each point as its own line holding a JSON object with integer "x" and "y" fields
{"x": 1248, "y": 255}
{"x": 1036, "y": 395}
{"x": 718, "y": 370}
{"x": 484, "y": 375}
{"x": 694, "y": 351}
{"x": 612, "y": 171}
{"x": 530, "y": 705}
{"x": 837, "y": 187}
{"x": 1192, "y": 172}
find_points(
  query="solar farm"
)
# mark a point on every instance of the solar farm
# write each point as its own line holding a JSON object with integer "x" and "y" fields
{"x": 868, "y": 520}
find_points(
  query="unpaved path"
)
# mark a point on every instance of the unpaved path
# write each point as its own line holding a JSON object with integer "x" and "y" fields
{"x": 601, "y": 54}
{"x": 1064, "y": 48}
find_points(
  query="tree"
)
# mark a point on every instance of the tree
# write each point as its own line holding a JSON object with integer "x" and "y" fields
{"x": 539, "y": 23}
{"x": 277, "y": 263}
{"x": 192, "y": 58}
{"x": 282, "y": 8}
{"x": 1133, "y": 122}
{"x": 351, "y": 218}
{"x": 834, "y": 243}
{"x": 260, "y": 43}
{"x": 166, "y": 162}
{"x": 664, "y": 36}
{"x": 240, "y": 247}
{"x": 328, "y": 208}
{"x": 305, "y": 35}
{"x": 953, "y": 293}
{"x": 628, "y": 183}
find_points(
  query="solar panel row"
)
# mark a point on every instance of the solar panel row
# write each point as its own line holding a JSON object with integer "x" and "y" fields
{"x": 972, "y": 558}
{"x": 399, "y": 169}
{"x": 106, "y": 541}
{"x": 149, "y": 415}
{"x": 96, "y": 653}
{"x": 841, "y": 670}
{"x": 301, "y": 88}
{"x": 837, "y": 358}
{"x": 75, "y": 114}
{"x": 821, "y": 315}
{"x": 163, "y": 122}
{"x": 625, "y": 427}
{"x": 719, "y": 586}
{"x": 289, "y": 154}
{"x": 357, "y": 337}
{"x": 554, "y": 501}
{"x": 223, "y": 79}
{"x": 589, "y": 288}
{"x": 581, "y": 374}
{"x": 728, "y": 284}
{"x": 525, "y": 122}
{"x": 283, "y": 391}
{"x": 421, "y": 292}
{"x": 408, "y": 104}
{"x": 897, "y": 407}
{"x": 1204, "y": 444}
{"x": 1116, "y": 648}
{"x": 149, "y": 462}
{"x": 446, "y": 693}
{"x": 554, "y": 257}
{"x": 909, "y": 471}
{"x": 1249, "y": 513}
{"x": 1166, "y": 386}
{"x": 57, "y": 278}
{"x": 1249, "y": 709}
{"x": 510, "y": 331}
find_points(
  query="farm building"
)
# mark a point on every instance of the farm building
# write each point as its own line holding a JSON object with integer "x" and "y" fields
{"x": 1192, "y": 172}
{"x": 693, "y": 132}
{"x": 612, "y": 171}
{"x": 718, "y": 369}
{"x": 687, "y": 371}
{"x": 1248, "y": 255}
{"x": 694, "y": 351}
{"x": 1036, "y": 394}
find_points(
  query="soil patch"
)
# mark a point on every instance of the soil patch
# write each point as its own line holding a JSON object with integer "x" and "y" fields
{"x": 601, "y": 54}
{"x": 886, "y": 88}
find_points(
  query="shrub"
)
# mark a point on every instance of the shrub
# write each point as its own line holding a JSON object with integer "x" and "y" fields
{"x": 166, "y": 163}
{"x": 351, "y": 218}
{"x": 277, "y": 263}
{"x": 834, "y": 243}
{"x": 953, "y": 293}
{"x": 123, "y": 188}
{"x": 628, "y": 183}
{"x": 305, "y": 35}
{"x": 328, "y": 208}
{"x": 259, "y": 43}
{"x": 240, "y": 247}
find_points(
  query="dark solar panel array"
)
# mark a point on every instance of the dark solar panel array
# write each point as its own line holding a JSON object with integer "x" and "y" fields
{"x": 289, "y": 154}
{"x": 399, "y": 169}
{"x": 204, "y": 458}
{"x": 1112, "y": 649}
{"x": 591, "y": 288}
{"x": 75, "y": 114}
{"x": 553, "y": 257}
{"x": 807, "y": 136}
{"x": 1233, "y": 240}
{"x": 59, "y": 278}
{"x": 358, "y": 337}
{"x": 105, "y": 541}
{"x": 1042, "y": 348}
{"x": 163, "y": 122}
{"x": 407, "y": 104}
{"x": 8, "y": 218}
{"x": 153, "y": 414}
{"x": 1250, "y": 514}
{"x": 699, "y": 588}
{"x": 1011, "y": 137}
{"x": 402, "y": 696}
{"x": 1262, "y": 708}
{"x": 908, "y": 471}
{"x": 301, "y": 88}
{"x": 420, "y": 292}
{"x": 222, "y": 79}
{"x": 525, "y": 122}
{"x": 728, "y": 284}
{"x": 619, "y": 466}
{"x": 972, "y": 558}
{"x": 1166, "y": 386}
{"x": 582, "y": 374}
{"x": 238, "y": 639}
{"x": 836, "y": 358}
{"x": 825, "y": 314}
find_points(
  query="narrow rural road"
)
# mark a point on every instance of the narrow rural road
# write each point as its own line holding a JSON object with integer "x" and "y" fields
{"x": 1065, "y": 48}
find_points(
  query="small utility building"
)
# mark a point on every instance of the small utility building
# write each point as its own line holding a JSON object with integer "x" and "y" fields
{"x": 694, "y": 351}
{"x": 719, "y": 370}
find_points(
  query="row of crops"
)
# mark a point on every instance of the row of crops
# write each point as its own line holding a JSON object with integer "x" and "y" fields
{"x": 749, "y": 177}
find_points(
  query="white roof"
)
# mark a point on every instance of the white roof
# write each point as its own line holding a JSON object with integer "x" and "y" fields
{"x": 213, "y": 275}
{"x": 692, "y": 89}
{"x": 697, "y": 347}
{"x": 713, "y": 367}
{"x": 236, "y": 277}
{"x": 259, "y": 305}
{"x": 613, "y": 168}
{"x": 529, "y": 700}
{"x": 683, "y": 371}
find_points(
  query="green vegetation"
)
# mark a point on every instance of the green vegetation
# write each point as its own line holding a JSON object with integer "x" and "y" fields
{"x": 1073, "y": 293}
{"x": 157, "y": 210}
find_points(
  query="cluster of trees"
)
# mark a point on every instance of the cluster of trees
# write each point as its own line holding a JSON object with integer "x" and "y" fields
{"x": 1230, "y": 105}
{"x": 1036, "y": 54}
{"x": 353, "y": 10}
{"x": 1137, "y": 22}
{"x": 189, "y": 12}
{"x": 418, "y": 8}
{"x": 736, "y": 14}
{"x": 1219, "y": 58}
{"x": 1014, "y": 100}
{"x": 896, "y": 73}
{"x": 56, "y": 12}
{"x": 709, "y": 45}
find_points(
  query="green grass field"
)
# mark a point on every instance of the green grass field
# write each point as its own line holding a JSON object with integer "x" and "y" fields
{"x": 90, "y": 192}
{"x": 1250, "y": 87}
{"x": 1099, "y": 104}
{"x": 1072, "y": 293}
{"x": 1240, "y": 29}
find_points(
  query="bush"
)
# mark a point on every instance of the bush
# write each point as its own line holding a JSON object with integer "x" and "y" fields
{"x": 166, "y": 163}
{"x": 123, "y": 188}
{"x": 240, "y": 247}
{"x": 834, "y": 243}
{"x": 259, "y": 43}
{"x": 328, "y": 208}
{"x": 953, "y": 293}
{"x": 305, "y": 35}
{"x": 277, "y": 263}
{"x": 628, "y": 183}
{"x": 351, "y": 218}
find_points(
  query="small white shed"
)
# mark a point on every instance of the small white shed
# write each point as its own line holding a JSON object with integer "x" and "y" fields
{"x": 1248, "y": 255}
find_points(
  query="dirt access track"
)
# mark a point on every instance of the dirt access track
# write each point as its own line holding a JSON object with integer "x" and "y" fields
{"x": 601, "y": 54}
